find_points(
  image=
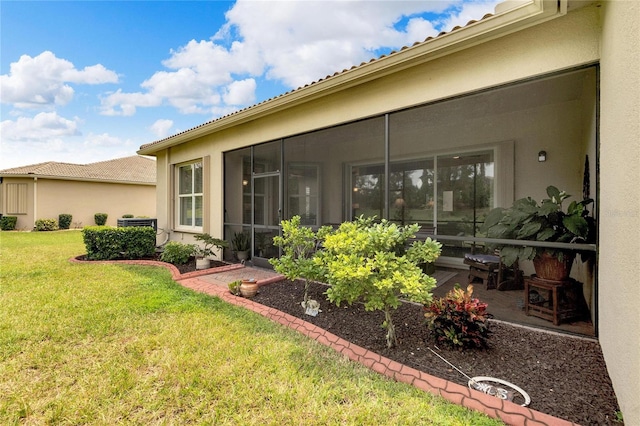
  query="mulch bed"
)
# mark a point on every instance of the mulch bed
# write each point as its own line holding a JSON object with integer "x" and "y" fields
{"x": 565, "y": 376}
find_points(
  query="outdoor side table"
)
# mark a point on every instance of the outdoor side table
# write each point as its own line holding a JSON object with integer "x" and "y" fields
{"x": 553, "y": 300}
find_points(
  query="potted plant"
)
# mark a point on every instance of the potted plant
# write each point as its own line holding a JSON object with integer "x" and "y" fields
{"x": 241, "y": 245}
{"x": 249, "y": 288}
{"x": 261, "y": 243}
{"x": 234, "y": 287}
{"x": 202, "y": 253}
{"x": 544, "y": 222}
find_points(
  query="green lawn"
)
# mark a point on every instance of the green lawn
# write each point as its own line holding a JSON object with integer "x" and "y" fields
{"x": 115, "y": 344}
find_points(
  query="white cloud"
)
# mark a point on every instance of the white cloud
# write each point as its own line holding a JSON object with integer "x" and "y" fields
{"x": 241, "y": 92}
{"x": 102, "y": 140}
{"x": 161, "y": 128}
{"x": 292, "y": 42}
{"x": 302, "y": 42}
{"x": 43, "y": 126}
{"x": 470, "y": 11}
{"x": 43, "y": 81}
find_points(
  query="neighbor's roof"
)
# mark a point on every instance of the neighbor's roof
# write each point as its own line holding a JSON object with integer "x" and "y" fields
{"x": 134, "y": 169}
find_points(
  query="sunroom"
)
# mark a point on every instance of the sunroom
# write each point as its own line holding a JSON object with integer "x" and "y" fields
{"x": 443, "y": 165}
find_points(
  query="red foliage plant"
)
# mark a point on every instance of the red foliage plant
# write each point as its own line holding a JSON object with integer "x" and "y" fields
{"x": 458, "y": 320}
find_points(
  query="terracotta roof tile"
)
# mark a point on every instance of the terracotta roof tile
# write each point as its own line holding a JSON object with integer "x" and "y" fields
{"x": 136, "y": 169}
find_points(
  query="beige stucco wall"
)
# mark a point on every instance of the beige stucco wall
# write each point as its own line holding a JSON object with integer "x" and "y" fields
{"x": 83, "y": 200}
{"x": 620, "y": 204}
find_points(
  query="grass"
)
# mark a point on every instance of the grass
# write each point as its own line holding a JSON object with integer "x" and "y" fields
{"x": 115, "y": 344}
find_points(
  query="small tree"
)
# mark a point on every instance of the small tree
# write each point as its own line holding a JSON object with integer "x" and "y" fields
{"x": 370, "y": 262}
{"x": 298, "y": 245}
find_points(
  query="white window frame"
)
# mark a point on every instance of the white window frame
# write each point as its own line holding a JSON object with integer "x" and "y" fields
{"x": 193, "y": 226}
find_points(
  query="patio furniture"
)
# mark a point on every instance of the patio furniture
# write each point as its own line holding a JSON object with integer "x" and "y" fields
{"x": 490, "y": 270}
{"x": 554, "y": 300}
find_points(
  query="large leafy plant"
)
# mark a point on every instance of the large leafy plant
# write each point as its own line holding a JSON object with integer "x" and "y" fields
{"x": 547, "y": 221}
{"x": 372, "y": 263}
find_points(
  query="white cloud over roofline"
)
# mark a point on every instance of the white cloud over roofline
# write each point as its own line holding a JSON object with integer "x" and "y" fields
{"x": 294, "y": 43}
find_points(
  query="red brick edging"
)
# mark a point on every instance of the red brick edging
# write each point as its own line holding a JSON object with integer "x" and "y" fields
{"x": 508, "y": 412}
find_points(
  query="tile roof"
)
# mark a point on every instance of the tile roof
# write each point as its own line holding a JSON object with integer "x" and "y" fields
{"x": 135, "y": 169}
{"x": 337, "y": 73}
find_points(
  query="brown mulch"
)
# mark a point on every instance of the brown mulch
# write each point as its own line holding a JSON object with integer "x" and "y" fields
{"x": 565, "y": 376}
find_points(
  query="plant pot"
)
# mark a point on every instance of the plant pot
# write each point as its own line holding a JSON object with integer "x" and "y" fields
{"x": 550, "y": 267}
{"x": 249, "y": 288}
{"x": 242, "y": 255}
{"x": 203, "y": 263}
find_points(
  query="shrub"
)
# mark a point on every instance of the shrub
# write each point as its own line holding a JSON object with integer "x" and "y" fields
{"x": 458, "y": 320}
{"x": 127, "y": 216}
{"x": 64, "y": 220}
{"x": 177, "y": 253}
{"x": 101, "y": 218}
{"x": 298, "y": 247}
{"x": 46, "y": 225}
{"x": 106, "y": 243}
{"x": 369, "y": 262}
{"x": 234, "y": 287}
{"x": 8, "y": 223}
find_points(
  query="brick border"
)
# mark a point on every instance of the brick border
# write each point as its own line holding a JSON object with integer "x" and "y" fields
{"x": 508, "y": 412}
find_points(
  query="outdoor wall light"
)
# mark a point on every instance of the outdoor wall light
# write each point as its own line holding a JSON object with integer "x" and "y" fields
{"x": 542, "y": 156}
{"x": 245, "y": 182}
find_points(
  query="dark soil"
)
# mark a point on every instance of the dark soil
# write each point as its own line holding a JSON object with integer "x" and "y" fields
{"x": 565, "y": 376}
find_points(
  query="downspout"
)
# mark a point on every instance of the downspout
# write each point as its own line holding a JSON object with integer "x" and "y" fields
{"x": 35, "y": 200}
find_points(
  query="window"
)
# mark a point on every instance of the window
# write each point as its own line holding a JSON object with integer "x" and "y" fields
{"x": 16, "y": 198}
{"x": 190, "y": 193}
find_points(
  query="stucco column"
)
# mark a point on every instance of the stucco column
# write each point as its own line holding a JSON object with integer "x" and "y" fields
{"x": 619, "y": 218}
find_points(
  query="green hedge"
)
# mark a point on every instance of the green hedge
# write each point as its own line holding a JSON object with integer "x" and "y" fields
{"x": 106, "y": 243}
{"x": 64, "y": 220}
{"x": 8, "y": 223}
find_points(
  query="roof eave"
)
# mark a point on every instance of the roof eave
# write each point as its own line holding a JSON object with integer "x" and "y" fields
{"x": 516, "y": 16}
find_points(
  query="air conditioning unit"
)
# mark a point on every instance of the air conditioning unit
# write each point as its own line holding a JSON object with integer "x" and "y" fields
{"x": 138, "y": 221}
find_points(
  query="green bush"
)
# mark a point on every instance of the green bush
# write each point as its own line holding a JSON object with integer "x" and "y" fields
{"x": 8, "y": 223}
{"x": 369, "y": 262}
{"x": 458, "y": 320}
{"x": 46, "y": 225}
{"x": 106, "y": 243}
{"x": 127, "y": 216}
{"x": 101, "y": 219}
{"x": 64, "y": 220}
{"x": 299, "y": 245}
{"x": 177, "y": 253}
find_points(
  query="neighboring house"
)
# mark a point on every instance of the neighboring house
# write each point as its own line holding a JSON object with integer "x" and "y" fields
{"x": 46, "y": 190}
{"x": 438, "y": 133}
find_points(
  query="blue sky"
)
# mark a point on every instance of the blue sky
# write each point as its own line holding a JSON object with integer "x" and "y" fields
{"x": 87, "y": 81}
